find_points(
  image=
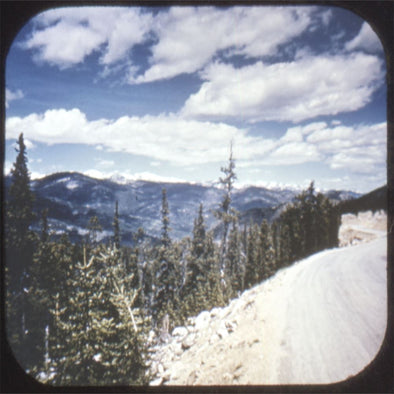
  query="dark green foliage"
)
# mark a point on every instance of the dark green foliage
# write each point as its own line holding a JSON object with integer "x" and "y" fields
{"x": 100, "y": 333}
{"x": 266, "y": 250}
{"x": 194, "y": 292}
{"x": 50, "y": 273}
{"x": 116, "y": 227}
{"x": 253, "y": 269}
{"x": 94, "y": 228}
{"x": 214, "y": 289}
{"x": 235, "y": 270}
{"x": 165, "y": 271}
{"x": 308, "y": 225}
{"x": 165, "y": 219}
{"x": 375, "y": 200}
{"x": 19, "y": 249}
{"x": 225, "y": 213}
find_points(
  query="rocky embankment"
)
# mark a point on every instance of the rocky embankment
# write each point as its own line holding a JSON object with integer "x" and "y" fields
{"x": 206, "y": 342}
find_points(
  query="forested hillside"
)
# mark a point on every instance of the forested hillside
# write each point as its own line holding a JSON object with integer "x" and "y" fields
{"x": 83, "y": 312}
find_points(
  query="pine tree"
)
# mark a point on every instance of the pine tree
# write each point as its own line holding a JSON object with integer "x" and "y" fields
{"x": 253, "y": 273}
{"x": 100, "y": 333}
{"x": 51, "y": 270}
{"x": 39, "y": 300}
{"x": 225, "y": 213}
{"x": 144, "y": 261}
{"x": 215, "y": 296}
{"x": 194, "y": 291}
{"x": 266, "y": 250}
{"x": 235, "y": 271}
{"x": 306, "y": 226}
{"x": 165, "y": 220}
{"x": 19, "y": 248}
{"x": 116, "y": 227}
{"x": 165, "y": 301}
{"x": 94, "y": 228}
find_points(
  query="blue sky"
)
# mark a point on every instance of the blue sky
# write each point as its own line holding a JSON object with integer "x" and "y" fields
{"x": 160, "y": 93}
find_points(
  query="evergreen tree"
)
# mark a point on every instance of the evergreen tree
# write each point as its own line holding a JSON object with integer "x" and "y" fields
{"x": 94, "y": 228}
{"x": 266, "y": 250}
{"x": 19, "y": 247}
{"x": 215, "y": 296}
{"x": 51, "y": 270}
{"x": 116, "y": 227}
{"x": 165, "y": 220}
{"x": 144, "y": 261}
{"x": 100, "y": 332}
{"x": 253, "y": 272}
{"x": 306, "y": 226}
{"x": 193, "y": 292}
{"x": 165, "y": 301}
{"x": 235, "y": 271}
{"x": 225, "y": 213}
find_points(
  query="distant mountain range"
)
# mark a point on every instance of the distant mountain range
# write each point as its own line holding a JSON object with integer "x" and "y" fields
{"x": 72, "y": 199}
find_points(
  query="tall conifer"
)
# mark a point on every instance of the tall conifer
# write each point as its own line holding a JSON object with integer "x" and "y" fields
{"x": 225, "y": 213}
{"x": 19, "y": 248}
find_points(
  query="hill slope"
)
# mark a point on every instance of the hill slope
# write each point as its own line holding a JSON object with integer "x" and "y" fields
{"x": 318, "y": 321}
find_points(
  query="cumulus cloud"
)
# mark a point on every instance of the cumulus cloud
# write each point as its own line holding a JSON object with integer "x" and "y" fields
{"x": 366, "y": 40}
{"x": 360, "y": 149}
{"x": 183, "y": 46}
{"x": 163, "y": 137}
{"x": 66, "y": 36}
{"x": 12, "y": 95}
{"x": 186, "y": 143}
{"x": 294, "y": 91}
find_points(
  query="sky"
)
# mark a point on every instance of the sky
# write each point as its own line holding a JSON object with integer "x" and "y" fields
{"x": 162, "y": 93}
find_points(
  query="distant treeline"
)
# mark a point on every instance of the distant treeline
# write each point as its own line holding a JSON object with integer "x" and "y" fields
{"x": 374, "y": 201}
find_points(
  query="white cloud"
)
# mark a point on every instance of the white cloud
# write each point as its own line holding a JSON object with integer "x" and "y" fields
{"x": 7, "y": 167}
{"x": 295, "y": 91}
{"x": 184, "y": 47}
{"x": 12, "y": 95}
{"x": 66, "y": 36}
{"x": 360, "y": 149}
{"x": 366, "y": 40}
{"x": 162, "y": 138}
{"x": 295, "y": 153}
{"x": 186, "y": 143}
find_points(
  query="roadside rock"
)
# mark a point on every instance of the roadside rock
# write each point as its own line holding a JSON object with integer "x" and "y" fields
{"x": 189, "y": 341}
{"x": 180, "y": 332}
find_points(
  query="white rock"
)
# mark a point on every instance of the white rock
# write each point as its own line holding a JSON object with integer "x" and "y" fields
{"x": 176, "y": 348}
{"x": 156, "y": 382}
{"x": 188, "y": 341}
{"x": 179, "y": 332}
